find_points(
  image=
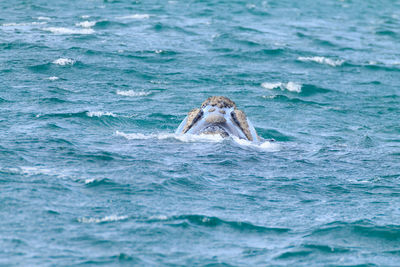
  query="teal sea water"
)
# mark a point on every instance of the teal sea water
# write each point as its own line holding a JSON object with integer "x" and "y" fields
{"x": 91, "y": 171}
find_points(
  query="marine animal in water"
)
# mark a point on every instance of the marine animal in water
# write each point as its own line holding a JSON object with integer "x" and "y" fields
{"x": 218, "y": 115}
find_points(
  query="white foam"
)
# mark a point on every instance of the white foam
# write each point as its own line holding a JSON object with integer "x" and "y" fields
{"x": 64, "y": 61}
{"x": 62, "y": 30}
{"x": 86, "y": 24}
{"x": 158, "y": 51}
{"x": 30, "y": 171}
{"x": 89, "y": 181}
{"x": 136, "y": 16}
{"x": 181, "y": 137}
{"x": 85, "y": 16}
{"x": 53, "y": 78}
{"x": 322, "y": 60}
{"x": 13, "y": 24}
{"x": 132, "y": 93}
{"x": 100, "y": 113}
{"x": 271, "y": 86}
{"x": 159, "y": 217}
{"x": 134, "y": 135}
{"x": 44, "y": 18}
{"x": 267, "y": 146}
{"x": 290, "y": 86}
{"x": 112, "y": 218}
{"x": 293, "y": 87}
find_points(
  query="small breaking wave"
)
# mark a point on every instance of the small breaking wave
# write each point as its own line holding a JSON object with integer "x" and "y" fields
{"x": 132, "y": 93}
{"x": 112, "y": 218}
{"x": 64, "y": 61}
{"x": 290, "y": 86}
{"x": 62, "y": 30}
{"x": 53, "y": 78}
{"x": 135, "y": 16}
{"x": 100, "y": 114}
{"x": 86, "y": 24}
{"x": 322, "y": 60}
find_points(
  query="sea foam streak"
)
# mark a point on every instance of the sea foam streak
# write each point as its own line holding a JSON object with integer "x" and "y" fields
{"x": 322, "y": 60}
{"x": 112, "y": 218}
{"x": 132, "y": 93}
{"x": 62, "y": 30}
{"x": 135, "y": 16}
{"x": 290, "y": 86}
{"x": 100, "y": 113}
{"x": 180, "y": 137}
{"x": 14, "y": 24}
{"x": 266, "y": 145}
{"x": 190, "y": 138}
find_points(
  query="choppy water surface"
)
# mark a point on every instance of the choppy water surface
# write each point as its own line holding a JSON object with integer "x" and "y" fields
{"x": 92, "y": 91}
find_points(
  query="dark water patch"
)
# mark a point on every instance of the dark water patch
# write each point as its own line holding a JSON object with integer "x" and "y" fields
{"x": 162, "y": 27}
{"x": 309, "y": 89}
{"x": 274, "y": 134}
{"x": 106, "y": 24}
{"x": 381, "y": 67}
{"x": 386, "y": 33}
{"x": 295, "y": 100}
{"x": 22, "y": 45}
{"x": 52, "y": 100}
{"x": 359, "y": 229}
{"x": 52, "y": 126}
{"x": 2, "y": 100}
{"x": 104, "y": 182}
{"x": 296, "y": 254}
{"x": 96, "y": 156}
{"x": 125, "y": 258}
{"x": 242, "y": 28}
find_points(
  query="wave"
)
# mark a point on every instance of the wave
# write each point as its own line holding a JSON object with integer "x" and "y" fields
{"x": 99, "y": 114}
{"x": 362, "y": 228}
{"x": 290, "y": 86}
{"x": 322, "y": 60}
{"x": 64, "y": 61}
{"x": 132, "y": 93}
{"x": 135, "y": 16}
{"x": 82, "y": 114}
{"x": 53, "y": 78}
{"x": 63, "y": 30}
{"x": 14, "y": 24}
{"x": 190, "y": 138}
{"x": 86, "y": 24}
{"x": 210, "y": 221}
{"x": 32, "y": 171}
{"x": 162, "y": 136}
{"x": 43, "y": 18}
{"x": 295, "y": 100}
{"x": 111, "y": 218}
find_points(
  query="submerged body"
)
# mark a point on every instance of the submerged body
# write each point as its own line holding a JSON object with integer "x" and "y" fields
{"x": 218, "y": 115}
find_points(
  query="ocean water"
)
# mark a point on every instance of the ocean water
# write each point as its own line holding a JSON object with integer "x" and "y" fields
{"x": 91, "y": 171}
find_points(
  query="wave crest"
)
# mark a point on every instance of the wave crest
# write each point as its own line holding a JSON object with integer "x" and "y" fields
{"x": 290, "y": 86}
{"x": 322, "y": 60}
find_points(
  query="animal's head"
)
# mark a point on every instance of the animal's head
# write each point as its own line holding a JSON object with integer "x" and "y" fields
{"x": 218, "y": 115}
